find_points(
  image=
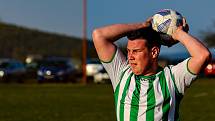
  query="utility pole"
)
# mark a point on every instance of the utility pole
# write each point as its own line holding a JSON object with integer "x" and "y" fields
{"x": 84, "y": 43}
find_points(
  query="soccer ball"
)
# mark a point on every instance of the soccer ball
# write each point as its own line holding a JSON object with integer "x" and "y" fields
{"x": 166, "y": 22}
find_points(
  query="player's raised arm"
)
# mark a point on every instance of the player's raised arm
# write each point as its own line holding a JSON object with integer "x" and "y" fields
{"x": 200, "y": 55}
{"x": 105, "y": 37}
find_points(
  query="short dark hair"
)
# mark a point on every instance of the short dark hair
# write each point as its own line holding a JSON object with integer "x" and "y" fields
{"x": 152, "y": 37}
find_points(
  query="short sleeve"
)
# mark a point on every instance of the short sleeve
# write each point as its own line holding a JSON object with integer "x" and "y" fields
{"x": 115, "y": 67}
{"x": 182, "y": 76}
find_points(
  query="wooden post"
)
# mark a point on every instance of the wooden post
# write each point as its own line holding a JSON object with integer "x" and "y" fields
{"x": 84, "y": 43}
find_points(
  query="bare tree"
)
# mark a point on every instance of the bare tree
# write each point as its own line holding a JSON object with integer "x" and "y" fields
{"x": 209, "y": 36}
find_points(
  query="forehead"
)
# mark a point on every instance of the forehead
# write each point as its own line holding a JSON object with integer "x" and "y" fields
{"x": 137, "y": 43}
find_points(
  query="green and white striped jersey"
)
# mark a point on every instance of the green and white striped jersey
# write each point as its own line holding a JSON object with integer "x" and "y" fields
{"x": 147, "y": 98}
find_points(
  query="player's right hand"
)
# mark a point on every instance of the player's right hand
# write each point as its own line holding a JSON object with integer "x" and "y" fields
{"x": 147, "y": 23}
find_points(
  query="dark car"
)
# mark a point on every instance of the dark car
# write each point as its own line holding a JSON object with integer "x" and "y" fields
{"x": 210, "y": 69}
{"x": 57, "y": 70}
{"x": 12, "y": 70}
{"x": 32, "y": 68}
{"x": 32, "y": 64}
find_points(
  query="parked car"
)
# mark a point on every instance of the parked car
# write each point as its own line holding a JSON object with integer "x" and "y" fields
{"x": 101, "y": 77}
{"x": 210, "y": 69}
{"x": 93, "y": 67}
{"x": 32, "y": 68}
{"x": 12, "y": 70}
{"x": 56, "y": 69}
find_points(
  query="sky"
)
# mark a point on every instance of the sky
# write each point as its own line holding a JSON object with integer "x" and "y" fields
{"x": 65, "y": 16}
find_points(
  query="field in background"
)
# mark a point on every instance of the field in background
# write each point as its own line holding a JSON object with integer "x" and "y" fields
{"x": 69, "y": 102}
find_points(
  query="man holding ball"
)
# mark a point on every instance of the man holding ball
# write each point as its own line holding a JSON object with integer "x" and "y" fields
{"x": 143, "y": 91}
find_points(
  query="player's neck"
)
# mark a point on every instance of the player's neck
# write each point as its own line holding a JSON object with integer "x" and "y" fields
{"x": 152, "y": 70}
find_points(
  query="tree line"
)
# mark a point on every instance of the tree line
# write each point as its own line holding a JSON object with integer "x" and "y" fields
{"x": 19, "y": 42}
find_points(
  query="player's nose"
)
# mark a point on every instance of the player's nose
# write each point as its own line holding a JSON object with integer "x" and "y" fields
{"x": 130, "y": 56}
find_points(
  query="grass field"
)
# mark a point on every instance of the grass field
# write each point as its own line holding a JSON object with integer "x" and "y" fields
{"x": 69, "y": 102}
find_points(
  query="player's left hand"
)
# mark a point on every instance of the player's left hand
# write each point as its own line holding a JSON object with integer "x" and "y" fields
{"x": 185, "y": 26}
{"x": 182, "y": 28}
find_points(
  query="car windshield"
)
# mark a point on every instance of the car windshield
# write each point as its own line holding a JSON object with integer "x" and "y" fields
{"x": 93, "y": 61}
{"x": 61, "y": 64}
{"x": 4, "y": 65}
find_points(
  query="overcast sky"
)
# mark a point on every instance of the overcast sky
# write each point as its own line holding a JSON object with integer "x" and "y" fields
{"x": 65, "y": 16}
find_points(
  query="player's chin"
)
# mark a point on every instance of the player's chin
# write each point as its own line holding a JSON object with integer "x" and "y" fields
{"x": 135, "y": 71}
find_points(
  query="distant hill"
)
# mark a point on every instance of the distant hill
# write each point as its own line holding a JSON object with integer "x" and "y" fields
{"x": 18, "y": 42}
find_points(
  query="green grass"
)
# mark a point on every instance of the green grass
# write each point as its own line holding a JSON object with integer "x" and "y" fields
{"x": 52, "y": 102}
{"x": 198, "y": 102}
{"x": 69, "y": 102}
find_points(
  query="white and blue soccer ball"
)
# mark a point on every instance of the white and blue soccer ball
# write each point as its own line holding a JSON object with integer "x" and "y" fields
{"x": 166, "y": 22}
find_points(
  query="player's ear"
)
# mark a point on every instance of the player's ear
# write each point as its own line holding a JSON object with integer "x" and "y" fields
{"x": 155, "y": 52}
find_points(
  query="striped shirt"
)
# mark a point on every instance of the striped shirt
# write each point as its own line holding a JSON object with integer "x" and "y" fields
{"x": 147, "y": 98}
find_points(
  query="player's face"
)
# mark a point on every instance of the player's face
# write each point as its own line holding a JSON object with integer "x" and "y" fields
{"x": 139, "y": 56}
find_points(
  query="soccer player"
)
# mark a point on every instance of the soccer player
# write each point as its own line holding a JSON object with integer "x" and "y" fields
{"x": 143, "y": 91}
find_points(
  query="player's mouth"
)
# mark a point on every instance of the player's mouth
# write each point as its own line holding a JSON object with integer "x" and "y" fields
{"x": 133, "y": 64}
